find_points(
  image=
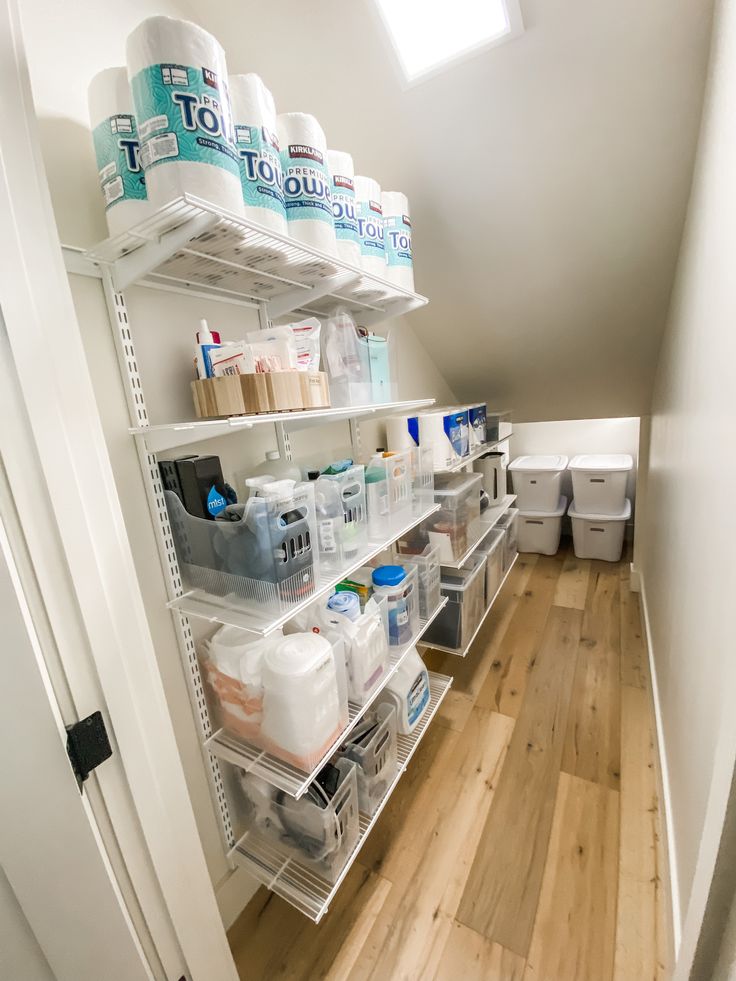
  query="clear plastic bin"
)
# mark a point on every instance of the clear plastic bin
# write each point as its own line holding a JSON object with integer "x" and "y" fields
{"x": 508, "y": 523}
{"x": 242, "y": 700}
{"x": 498, "y": 424}
{"x": 456, "y": 525}
{"x": 342, "y": 516}
{"x": 427, "y": 564}
{"x": 423, "y": 477}
{"x": 320, "y": 835}
{"x": 493, "y": 548}
{"x": 266, "y": 559}
{"x": 388, "y": 486}
{"x": 374, "y": 755}
{"x": 465, "y": 590}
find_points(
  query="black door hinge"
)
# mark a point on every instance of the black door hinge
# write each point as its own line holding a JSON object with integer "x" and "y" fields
{"x": 87, "y": 745}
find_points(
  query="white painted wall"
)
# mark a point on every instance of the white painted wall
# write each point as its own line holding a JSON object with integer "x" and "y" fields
{"x": 686, "y": 538}
{"x": 574, "y": 436}
{"x": 20, "y": 953}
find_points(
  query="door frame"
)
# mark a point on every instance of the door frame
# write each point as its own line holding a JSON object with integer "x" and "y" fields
{"x": 73, "y": 526}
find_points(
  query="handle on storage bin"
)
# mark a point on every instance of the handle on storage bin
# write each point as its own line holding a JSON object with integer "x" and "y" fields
{"x": 597, "y": 480}
{"x": 533, "y": 521}
{"x": 595, "y": 529}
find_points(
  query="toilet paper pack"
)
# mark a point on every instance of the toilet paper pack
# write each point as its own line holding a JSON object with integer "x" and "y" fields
{"x": 178, "y": 77}
{"x": 115, "y": 137}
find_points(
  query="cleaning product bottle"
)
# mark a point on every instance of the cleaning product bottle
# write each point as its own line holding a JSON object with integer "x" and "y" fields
{"x": 277, "y": 468}
{"x": 408, "y": 691}
{"x": 391, "y": 581}
{"x": 207, "y": 340}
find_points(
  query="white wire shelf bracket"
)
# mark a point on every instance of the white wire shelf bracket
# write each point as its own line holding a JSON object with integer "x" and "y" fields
{"x": 246, "y": 615}
{"x": 472, "y": 457}
{"x": 276, "y": 868}
{"x": 191, "y": 245}
{"x": 462, "y": 652}
{"x": 283, "y": 775}
{"x": 488, "y": 521}
{"x": 167, "y": 436}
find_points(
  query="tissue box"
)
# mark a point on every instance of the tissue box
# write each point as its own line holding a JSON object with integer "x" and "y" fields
{"x": 273, "y": 391}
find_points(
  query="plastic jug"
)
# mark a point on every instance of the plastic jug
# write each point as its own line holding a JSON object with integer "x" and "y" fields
{"x": 408, "y": 692}
{"x": 301, "y": 697}
{"x": 390, "y": 581}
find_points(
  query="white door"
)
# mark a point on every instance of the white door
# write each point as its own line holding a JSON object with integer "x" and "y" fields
{"x": 50, "y": 849}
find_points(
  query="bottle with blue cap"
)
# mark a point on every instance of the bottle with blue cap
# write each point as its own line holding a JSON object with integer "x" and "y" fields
{"x": 393, "y": 582}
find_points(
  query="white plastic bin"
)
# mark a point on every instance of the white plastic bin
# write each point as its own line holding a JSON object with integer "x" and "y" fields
{"x": 599, "y": 536}
{"x": 537, "y": 481}
{"x": 539, "y": 531}
{"x": 599, "y": 482}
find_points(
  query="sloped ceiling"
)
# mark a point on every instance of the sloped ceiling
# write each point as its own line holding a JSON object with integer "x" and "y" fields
{"x": 548, "y": 179}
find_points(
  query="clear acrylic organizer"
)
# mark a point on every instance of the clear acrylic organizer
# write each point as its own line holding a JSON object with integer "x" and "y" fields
{"x": 427, "y": 564}
{"x": 342, "y": 516}
{"x": 375, "y": 758}
{"x": 389, "y": 491}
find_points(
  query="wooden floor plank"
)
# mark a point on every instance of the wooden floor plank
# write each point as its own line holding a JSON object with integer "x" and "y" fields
{"x": 271, "y": 940}
{"x": 592, "y": 740}
{"x": 470, "y": 957}
{"x": 634, "y": 658}
{"x": 637, "y": 941}
{"x": 501, "y": 895}
{"x": 430, "y": 870}
{"x": 517, "y": 648}
{"x": 576, "y": 923}
{"x": 486, "y": 655}
{"x": 572, "y": 586}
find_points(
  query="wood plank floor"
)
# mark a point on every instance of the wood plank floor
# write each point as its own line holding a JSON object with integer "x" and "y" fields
{"x": 522, "y": 842}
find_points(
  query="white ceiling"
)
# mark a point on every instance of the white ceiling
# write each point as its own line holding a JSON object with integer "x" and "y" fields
{"x": 548, "y": 179}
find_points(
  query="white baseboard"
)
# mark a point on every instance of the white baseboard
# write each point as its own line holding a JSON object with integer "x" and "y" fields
{"x": 233, "y": 893}
{"x": 674, "y": 892}
{"x": 634, "y": 579}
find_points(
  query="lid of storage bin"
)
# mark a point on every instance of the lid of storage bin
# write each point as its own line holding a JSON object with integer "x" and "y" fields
{"x": 460, "y": 579}
{"x": 389, "y": 575}
{"x": 455, "y": 483}
{"x": 557, "y": 513}
{"x": 587, "y": 516}
{"x": 552, "y": 462}
{"x": 610, "y": 462}
{"x": 490, "y": 542}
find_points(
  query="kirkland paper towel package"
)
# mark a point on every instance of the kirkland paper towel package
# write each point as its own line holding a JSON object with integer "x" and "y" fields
{"x": 178, "y": 76}
{"x": 115, "y": 136}
{"x": 257, "y": 145}
{"x": 306, "y": 180}
{"x": 370, "y": 225}
{"x": 397, "y": 238}
{"x": 342, "y": 174}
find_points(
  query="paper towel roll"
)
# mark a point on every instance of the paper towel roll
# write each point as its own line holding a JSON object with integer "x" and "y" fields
{"x": 342, "y": 174}
{"x": 370, "y": 225}
{"x": 397, "y": 236}
{"x": 178, "y": 76}
{"x": 257, "y": 145}
{"x": 115, "y": 136}
{"x": 306, "y": 180}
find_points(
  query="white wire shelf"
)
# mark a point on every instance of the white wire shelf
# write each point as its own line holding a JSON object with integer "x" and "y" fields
{"x": 488, "y": 521}
{"x": 308, "y": 892}
{"x": 462, "y": 652}
{"x": 234, "y": 612}
{"x": 190, "y": 245}
{"x": 471, "y": 457}
{"x": 285, "y": 776}
{"x": 167, "y": 436}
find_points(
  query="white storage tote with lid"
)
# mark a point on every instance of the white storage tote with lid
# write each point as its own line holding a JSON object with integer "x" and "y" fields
{"x": 539, "y": 531}
{"x": 599, "y": 536}
{"x": 599, "y": 482}
{"x": 537, "y": 481}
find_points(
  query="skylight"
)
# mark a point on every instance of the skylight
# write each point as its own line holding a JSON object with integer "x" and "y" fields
{"x": 428, "y": 34}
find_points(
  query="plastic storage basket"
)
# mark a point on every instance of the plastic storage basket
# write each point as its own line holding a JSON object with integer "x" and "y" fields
{"x": 465, "y": 590}
{"x": 492, "y": 549}
{"x": 599, "y": 536}
{"x": 319, "y": 831}
{"x": 374, "y": 755}
{"x": 537, "y": 481}
{"x": 427, "y": 564}
{"x": 509, "y": 524}
{"x": 266, "y": 560}
{"x": 341, "y": 516}
{"x": 599, "y": 482}
{"x": 539, "y": 531}
{"x": 388, "y": 485}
